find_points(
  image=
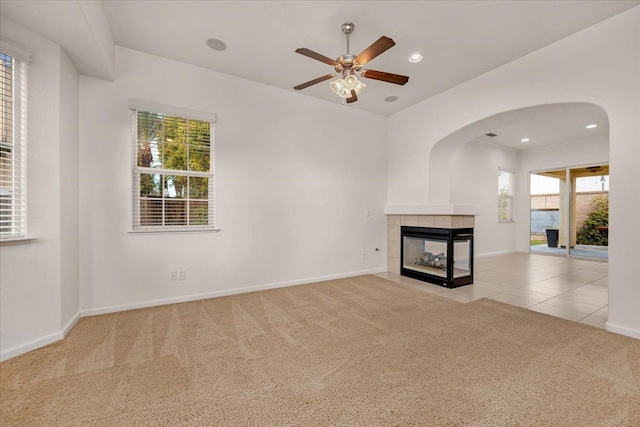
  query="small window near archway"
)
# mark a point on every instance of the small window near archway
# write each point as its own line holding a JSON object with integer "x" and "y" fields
{"x": 505, "y": 195}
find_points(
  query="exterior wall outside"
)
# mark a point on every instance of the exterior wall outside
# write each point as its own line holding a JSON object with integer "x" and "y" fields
{"x": 545, "y": 202}
{"x": 584, "y": 203}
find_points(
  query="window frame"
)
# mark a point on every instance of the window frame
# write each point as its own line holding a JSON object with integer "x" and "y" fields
{"x": 17, "y": 188}
{"x": 510, "y": 197}
{"x": 181, "y": 113}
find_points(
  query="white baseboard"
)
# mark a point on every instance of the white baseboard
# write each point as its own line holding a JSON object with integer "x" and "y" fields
{"x": 622, "y": 330}
{"x": 70, "y": 324}
{"x": 493, "y": 254}
{"x": 58, "y": 335}
{"x": 214, "y": 294}
{"x": 30, "y": 345}
{"x": 34, "y": 344}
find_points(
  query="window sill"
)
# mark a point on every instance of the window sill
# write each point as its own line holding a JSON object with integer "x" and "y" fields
{"x": 174, "y": 231}
{"x": 16, "y": 241}
{"x": 505, "y": 221}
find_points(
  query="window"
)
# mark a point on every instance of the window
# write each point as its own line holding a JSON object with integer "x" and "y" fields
{"x": 505, "y": 195}
{"x": 13, "y": 211}
{"x": 172, "y": 170}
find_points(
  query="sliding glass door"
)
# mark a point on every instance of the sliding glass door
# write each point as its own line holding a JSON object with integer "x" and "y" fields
{"x": 589, "y": 216}
{"x": 570, "y": 211}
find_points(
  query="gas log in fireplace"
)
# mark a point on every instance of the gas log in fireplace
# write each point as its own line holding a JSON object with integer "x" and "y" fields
{"x": 441, "y": 256}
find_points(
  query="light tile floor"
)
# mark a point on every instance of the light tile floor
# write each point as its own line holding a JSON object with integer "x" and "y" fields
{"x": 572, "y": 289}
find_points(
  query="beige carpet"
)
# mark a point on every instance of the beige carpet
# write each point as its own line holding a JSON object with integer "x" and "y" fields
{"x": 362, "y": 351}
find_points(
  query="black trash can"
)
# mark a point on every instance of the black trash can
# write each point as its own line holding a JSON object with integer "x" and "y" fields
{"x": 552, "y": 237}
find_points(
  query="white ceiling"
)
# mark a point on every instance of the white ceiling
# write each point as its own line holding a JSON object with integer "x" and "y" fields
{"x": 80, "y": 27}
{"x": 458, "y": 39}
{"x": 560, "y": 123}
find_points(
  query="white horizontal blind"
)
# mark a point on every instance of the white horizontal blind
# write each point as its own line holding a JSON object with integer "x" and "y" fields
{"x": 173, "y": 177}
{"x": 13, "y": 213}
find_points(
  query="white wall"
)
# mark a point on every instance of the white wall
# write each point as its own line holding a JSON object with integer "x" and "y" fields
{"x": 294, "y": 179}
{"x": 69, "y": 191}
{"x": 599, "y": 65}
{"x": 474, "y": 180}
{"x": 590, "y": 151}
{"x": 30, "y": 273}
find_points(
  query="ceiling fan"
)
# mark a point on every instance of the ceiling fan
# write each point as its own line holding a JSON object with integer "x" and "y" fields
{"x": 348, "y": 66}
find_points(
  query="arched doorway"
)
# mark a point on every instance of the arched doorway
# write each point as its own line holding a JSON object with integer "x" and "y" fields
{"x": 466, "y": 167}
{"x": 556, "y": 138}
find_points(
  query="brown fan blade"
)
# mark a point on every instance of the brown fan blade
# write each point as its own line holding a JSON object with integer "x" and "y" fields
{"x": 314, "y": 55}
{"x": 385, "y": 77}
{"x": 353, "y": 98}
{"x": 380, "y": 46}
{"x": 314, "y": 81}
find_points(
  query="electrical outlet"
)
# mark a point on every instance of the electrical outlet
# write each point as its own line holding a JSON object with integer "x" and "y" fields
{"x": 364, "y": 255}
{"x": 182, "y": 274}
{"x": 173, "y": 276}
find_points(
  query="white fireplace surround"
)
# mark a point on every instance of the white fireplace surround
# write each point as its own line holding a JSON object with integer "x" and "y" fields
{"x": 446, "y": 209}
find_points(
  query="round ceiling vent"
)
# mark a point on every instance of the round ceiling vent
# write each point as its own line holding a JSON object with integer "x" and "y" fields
{"x": 216, "y": 44}
{"x": 391, "y": 98}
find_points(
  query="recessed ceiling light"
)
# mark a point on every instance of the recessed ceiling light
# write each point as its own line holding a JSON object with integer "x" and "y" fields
{"x": 216, "y": 44}
{"x": 525, "y": 140}
{"x": 416, "y": 57}
{"x": 391, "y": 98}
{"x": 592, "y": 126}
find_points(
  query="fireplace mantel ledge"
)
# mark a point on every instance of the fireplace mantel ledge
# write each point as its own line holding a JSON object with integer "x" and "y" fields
{"x": 451, "y": 209}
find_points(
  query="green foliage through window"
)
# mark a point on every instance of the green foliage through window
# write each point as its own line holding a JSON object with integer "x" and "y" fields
{"x": 182, "y": 146}
{"x": 589, "y": 234}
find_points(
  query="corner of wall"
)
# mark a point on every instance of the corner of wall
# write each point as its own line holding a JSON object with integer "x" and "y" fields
{"x": 69, "y": 192}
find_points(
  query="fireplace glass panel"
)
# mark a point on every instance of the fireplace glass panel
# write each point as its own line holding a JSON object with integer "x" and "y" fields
{"x": 437, "y": 255}
{"x": 461, "y": 258}
{"x": 425, "y": 255}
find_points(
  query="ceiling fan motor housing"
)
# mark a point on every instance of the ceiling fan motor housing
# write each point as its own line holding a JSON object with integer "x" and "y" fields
{"x": 348, "y": 86}
{"x": 346, "y": 61}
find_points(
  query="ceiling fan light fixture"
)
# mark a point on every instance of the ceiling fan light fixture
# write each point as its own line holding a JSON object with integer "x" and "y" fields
{"x": 345, "y": 92}
{"x": 337, "y": 85}
{"x": 351, "y": 81}
{"x": 359, "y": 87}
{"x": 343, "y": 87}
{"x": 348, "y": 66}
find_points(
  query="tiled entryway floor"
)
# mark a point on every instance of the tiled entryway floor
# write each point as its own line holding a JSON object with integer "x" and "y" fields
{"x": 572, "y": 289}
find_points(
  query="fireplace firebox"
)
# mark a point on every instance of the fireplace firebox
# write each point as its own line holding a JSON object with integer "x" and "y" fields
{"x": 441, "y": 256}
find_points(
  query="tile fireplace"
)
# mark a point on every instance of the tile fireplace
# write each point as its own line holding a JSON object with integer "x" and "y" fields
{"x": 443, "y": 256}
{"x": 433, "y": 248}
